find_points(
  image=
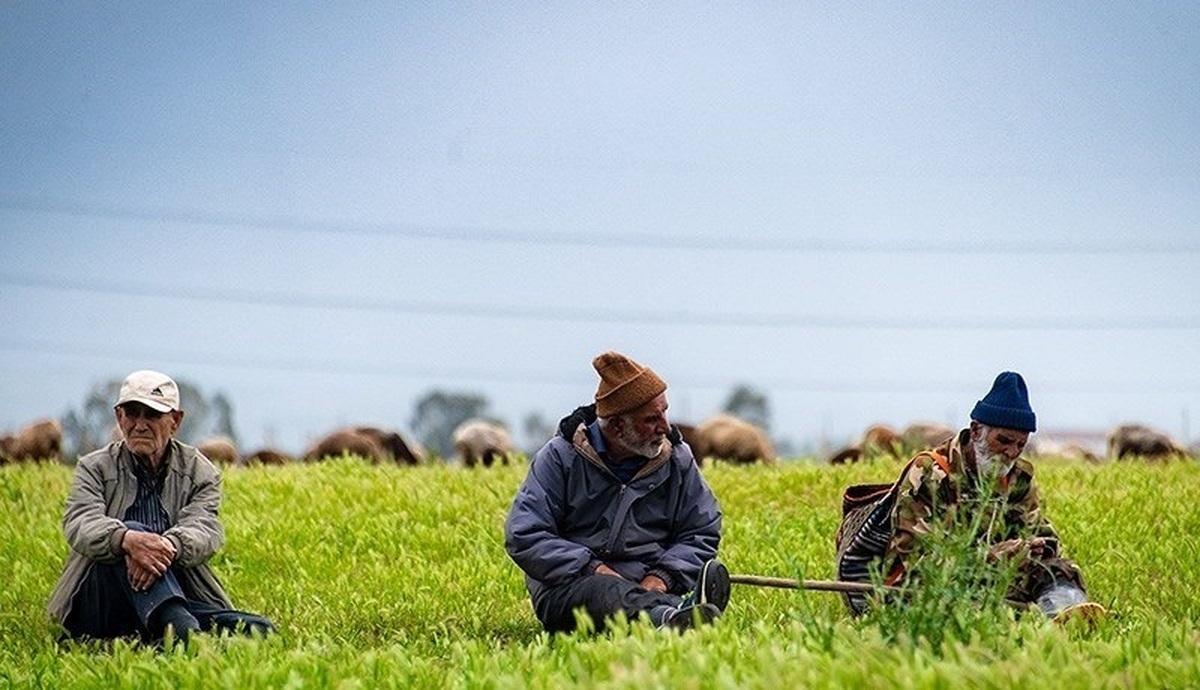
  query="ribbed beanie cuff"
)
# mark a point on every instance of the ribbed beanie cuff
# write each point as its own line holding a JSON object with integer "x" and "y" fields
{"x": 625, "y": 385}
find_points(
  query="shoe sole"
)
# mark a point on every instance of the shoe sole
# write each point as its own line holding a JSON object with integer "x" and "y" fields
{"x": 714, "y": 584}
{"x": 693, "y": 616}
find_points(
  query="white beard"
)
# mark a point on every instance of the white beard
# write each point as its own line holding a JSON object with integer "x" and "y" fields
{"x": 988, "y": 463}
{"x": 645, "y": 448}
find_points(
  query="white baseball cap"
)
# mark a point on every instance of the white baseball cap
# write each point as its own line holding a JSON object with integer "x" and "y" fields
{"x": 150, "y": 388}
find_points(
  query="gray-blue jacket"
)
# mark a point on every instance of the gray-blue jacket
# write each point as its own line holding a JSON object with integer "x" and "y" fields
{"x": 571, "y": 514}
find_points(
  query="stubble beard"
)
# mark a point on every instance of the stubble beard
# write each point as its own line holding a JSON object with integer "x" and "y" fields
{"x": 646, "y": 448}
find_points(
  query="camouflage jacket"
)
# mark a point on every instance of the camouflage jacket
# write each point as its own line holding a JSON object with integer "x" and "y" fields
{"x": 938, "y": 488}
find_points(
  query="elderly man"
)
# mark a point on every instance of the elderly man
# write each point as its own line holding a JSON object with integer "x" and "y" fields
{"x": 979, "y": 469}
{"x": 142, "y": 523}
{"x": 614, "y": 516}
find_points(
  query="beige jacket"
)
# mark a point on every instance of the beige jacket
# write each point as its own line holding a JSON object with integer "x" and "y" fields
{"x": 103, "y": 489}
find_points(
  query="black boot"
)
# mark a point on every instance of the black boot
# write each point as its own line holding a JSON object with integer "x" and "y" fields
{"x": 174, "y": 615}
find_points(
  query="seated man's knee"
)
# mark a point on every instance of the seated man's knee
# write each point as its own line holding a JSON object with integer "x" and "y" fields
{"x": 137, "y": 526}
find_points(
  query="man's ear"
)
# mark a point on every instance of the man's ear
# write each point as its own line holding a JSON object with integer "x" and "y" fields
{"x": 976, "y": 430}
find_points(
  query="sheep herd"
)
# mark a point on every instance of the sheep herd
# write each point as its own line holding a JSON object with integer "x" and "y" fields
{"x": 479, "y": 442}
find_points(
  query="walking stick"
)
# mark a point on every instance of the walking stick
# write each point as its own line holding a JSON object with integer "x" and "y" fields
{"x": 819, "y": 585}
{"x": 866, "y": 587}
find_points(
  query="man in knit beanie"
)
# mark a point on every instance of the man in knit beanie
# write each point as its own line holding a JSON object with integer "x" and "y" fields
{"x": 887, "y": 528}
{"x": 614, "y": 517}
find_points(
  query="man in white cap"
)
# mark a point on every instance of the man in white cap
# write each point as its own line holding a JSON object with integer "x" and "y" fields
{"x": 614, "y": 516}
{"x": 142, "y": 523}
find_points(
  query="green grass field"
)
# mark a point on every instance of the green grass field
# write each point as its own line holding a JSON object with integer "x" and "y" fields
{"x": 397, "y": 577}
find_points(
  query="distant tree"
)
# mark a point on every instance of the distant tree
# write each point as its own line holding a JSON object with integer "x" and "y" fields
{"x": 223, "y": 416}
{"x": 438, "y": 413}
{"x": 93, "y": 424}
{"x": 537, "y": 431}
{"x": 750, "y": 404}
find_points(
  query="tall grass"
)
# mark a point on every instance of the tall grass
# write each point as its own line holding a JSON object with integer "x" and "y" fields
{"x": 385, "y": 576}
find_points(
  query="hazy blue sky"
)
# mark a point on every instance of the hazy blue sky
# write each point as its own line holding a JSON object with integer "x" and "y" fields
{"x": 865, "y": 211}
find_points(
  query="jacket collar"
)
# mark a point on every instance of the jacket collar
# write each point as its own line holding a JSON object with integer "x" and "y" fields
{"x": 583, "y": 446}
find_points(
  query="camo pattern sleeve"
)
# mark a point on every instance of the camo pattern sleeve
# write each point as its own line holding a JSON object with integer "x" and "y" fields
{"x": 1025, "y": 511}
{"x": 924, "y": 497}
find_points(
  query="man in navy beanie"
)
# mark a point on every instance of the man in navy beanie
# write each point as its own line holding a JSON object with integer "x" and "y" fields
{"x": 885, "y": 527}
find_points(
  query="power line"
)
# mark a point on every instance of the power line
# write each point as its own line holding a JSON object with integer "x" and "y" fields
{"x": 582, "y": 380}
{"x": 1131, "y": 244}
{"x": 596, "y": 314}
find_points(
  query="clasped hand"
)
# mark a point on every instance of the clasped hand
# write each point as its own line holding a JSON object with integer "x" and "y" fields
{"x": 147, "y": 557}
{"x": 1035, "y": 547}
{"x": 650, "y": 582}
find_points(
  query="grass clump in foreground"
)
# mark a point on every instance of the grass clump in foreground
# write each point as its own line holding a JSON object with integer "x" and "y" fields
{"x": 385, "y": 576}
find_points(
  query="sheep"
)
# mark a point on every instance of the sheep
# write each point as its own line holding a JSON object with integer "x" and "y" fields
{"x": 877, "y": 440}
{"x": 1045, "y": 448}
{"x": 39, "y": 440}
{"x": 726, "y": 437}
{"x": 919, "y": 436}
{"x": 371, "y": 443}
{"x": 345, "y": 442}
{"x": 401, "y": 452}
{"x": 1135, "y": 440}
{"x": 219, "y": 449}
{"x": 267, "y": 456}
{"x": 478, "y": 441}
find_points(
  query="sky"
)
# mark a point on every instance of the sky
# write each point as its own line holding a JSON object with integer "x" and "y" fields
{"x": 864, "y": 210}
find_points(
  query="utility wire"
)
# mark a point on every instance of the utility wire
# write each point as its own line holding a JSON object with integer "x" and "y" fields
{"x": 1131, "y": 244}
{"x": 341, "y": 367}
{"x": 597, "y": 314}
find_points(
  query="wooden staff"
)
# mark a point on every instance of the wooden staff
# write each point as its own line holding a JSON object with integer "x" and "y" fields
{"x": 864, "y": 587}
{"x": 820, "y": 585}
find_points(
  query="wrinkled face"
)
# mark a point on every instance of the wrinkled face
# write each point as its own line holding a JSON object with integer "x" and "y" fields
{"x": 643, "y": 430}
{"x": 996, "y": 448}
{"x": 147, "y": 431}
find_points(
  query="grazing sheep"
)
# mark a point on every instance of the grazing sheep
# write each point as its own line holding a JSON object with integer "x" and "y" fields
{"x": 1062, "y": 450}
{"x": 877, "y": 440}
{"x": 220, "y": 449}
{"x": 370, "y": 443}
{"x": 725, "y": 437}
{"x": 267, "y": 456}
{"x": 40, "y": 440}
{"x": 1135, "y": 440}
{"x": 880, "y": 439}
{"x": 478, "y": 441}
{"x": 400, "y": 451}
{"x": 346, "y": 442}
{"x": 919, "y": 436}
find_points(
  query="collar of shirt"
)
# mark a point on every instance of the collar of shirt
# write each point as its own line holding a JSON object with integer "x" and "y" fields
{"x": 596, "y": 438}
{"x": 147, "y": 475}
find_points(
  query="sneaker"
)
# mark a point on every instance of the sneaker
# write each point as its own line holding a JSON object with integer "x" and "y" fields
{"x": 690, "y": 616}
{"x": 712, "y": 587}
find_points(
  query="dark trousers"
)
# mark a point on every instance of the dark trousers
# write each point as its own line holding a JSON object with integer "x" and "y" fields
{"x": 106, "y": 606}
{"x": 600, "y": 597}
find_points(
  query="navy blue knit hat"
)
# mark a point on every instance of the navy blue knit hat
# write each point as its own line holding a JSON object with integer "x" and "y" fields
{"x": 1006, "y": 404}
